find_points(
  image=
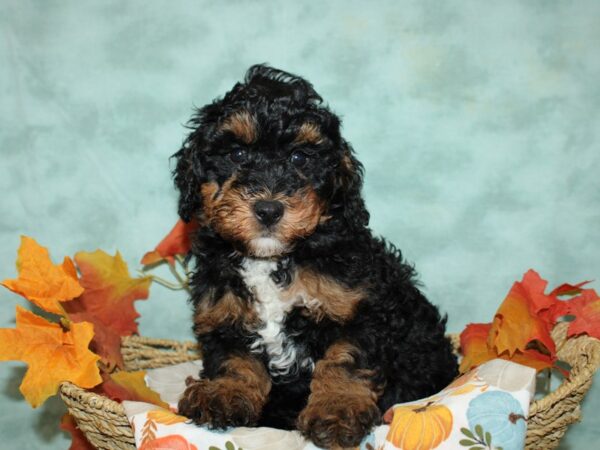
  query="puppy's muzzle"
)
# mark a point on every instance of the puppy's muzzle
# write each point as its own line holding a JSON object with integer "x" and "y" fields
{"x": 268, "y": 212}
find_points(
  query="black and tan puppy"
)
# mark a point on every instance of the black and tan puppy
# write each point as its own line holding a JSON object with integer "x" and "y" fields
{"x": 305, "y": 319}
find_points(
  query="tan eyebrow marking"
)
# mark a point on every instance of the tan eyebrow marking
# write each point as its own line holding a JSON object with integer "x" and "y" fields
{"x": 309, "y": 133}
{"x": 243, "y": 125}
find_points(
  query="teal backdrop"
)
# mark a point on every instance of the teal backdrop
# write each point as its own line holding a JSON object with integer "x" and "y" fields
{"x": 478, "y": 124}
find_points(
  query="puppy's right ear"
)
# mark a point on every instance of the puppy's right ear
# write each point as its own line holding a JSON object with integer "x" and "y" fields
{"x": 188, "y": 175}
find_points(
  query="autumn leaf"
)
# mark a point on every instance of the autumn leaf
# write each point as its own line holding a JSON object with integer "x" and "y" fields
{"x": 78, "y": 439}
{"x": 52, "y": 354}
{"x": 107, "y": 302}
{"x": 532, "y": 358}
{"x": 517, "y": 322}
{"x": 520, "y": 331}
{"x": 124, "y": 385}
{"x": 586, "y": 309}
{"x": 42, "y": 282}
{"x": 177, "y": 242}
{"x": 569, "y": 289}
{"x": 474, "y": 346}
{"x": 535, "y": 287}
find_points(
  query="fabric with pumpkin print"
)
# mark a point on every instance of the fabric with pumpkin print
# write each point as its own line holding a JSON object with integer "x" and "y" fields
{"x": 486, "y": 408}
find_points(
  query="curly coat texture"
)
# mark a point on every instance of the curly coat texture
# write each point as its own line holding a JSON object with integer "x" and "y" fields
{"x": 306, "y": 321}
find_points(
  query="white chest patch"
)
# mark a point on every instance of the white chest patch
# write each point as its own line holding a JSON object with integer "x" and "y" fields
{"x": 272, "y": 309}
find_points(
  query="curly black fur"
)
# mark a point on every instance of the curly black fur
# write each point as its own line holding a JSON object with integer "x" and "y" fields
{"x": 396, "y": 333}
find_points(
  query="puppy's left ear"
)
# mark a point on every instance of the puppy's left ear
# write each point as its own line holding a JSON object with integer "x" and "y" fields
{"x": 187, "y": 176}
{"x": 349, "y": 181}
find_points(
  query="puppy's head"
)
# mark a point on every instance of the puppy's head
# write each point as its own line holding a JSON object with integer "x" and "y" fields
{"x": 266, "y": 166}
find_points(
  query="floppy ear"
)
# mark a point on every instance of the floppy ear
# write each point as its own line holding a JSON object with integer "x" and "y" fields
{"x": 187, "y": 176}
{"x": 349, "y": 180}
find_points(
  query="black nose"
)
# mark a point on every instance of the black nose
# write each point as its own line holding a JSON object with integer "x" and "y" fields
{"x": 268, "y": 212}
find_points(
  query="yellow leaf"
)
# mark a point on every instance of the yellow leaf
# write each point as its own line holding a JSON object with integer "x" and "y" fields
{"x": 52, "y": 354}
{"x": 42, "y": 282}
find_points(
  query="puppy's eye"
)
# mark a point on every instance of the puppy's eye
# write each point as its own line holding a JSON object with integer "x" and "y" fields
{"x": 299, "y": 159}
{"x": 238, "y": 155}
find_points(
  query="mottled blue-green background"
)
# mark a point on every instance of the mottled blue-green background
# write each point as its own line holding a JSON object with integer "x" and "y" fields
{"x": 478, "y": 124}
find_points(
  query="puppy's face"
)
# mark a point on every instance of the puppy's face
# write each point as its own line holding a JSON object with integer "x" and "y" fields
{"x": 269, "y": 180}
{"x": 266, "y": 165}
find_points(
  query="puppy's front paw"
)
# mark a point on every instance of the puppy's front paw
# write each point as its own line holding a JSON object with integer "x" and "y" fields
{"x": 219, "y": 403}
{"x": 338, "y": 421}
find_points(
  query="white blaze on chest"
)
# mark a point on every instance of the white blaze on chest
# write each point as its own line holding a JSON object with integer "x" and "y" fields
{"x": 272, "y": 309}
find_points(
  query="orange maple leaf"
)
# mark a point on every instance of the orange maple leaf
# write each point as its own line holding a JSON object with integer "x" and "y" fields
{"x": 107, "y": 301}
{"x": 42, "y": 282}
{"x": 52, "y": 354}
{"x": 124, "y": 385}
{"x": 517, "y": 322}
{"x": 177, "y": 242}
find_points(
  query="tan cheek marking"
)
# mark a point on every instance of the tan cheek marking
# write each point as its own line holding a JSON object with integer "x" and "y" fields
{"x": 325, "y": 297}
{"x": 302, "y": 215}
{"x": 226, "y": 311}
{"x": 234, "y": 217}
{"x": 207, "y": 192}
{"x": 228, "y": 210}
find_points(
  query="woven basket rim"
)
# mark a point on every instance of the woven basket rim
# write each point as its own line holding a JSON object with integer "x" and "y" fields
{"x": 583, "y": 352}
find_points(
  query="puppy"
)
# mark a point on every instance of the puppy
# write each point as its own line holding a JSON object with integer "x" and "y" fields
{"x": 306, "y": 321}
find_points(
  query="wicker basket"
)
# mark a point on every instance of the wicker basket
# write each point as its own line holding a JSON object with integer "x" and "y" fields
{"x": 105, "y": 425}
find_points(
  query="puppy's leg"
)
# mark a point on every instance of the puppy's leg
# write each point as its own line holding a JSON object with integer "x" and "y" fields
{"x": 342, "y": 406}
{"x": 234, "y": 398}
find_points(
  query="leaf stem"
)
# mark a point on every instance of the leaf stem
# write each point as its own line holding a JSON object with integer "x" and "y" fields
{"x": 165, "y": 283}
{"x": 183, "y": 281}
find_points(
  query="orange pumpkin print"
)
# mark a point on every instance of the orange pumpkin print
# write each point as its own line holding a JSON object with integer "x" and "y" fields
{"x": 420, "y": 426}
{"x": 171, "y": 442}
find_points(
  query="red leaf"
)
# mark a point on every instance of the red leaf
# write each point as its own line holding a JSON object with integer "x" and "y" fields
{"x": 78, "y": 439}
{"x": 535, "y": 287}
{"x": 586, "y": 309}
{"x": 177, "y": 242}
{"x": 107, "y": 301}
{"x": 569, "y": 289}
{"x": 561, "y": 307}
